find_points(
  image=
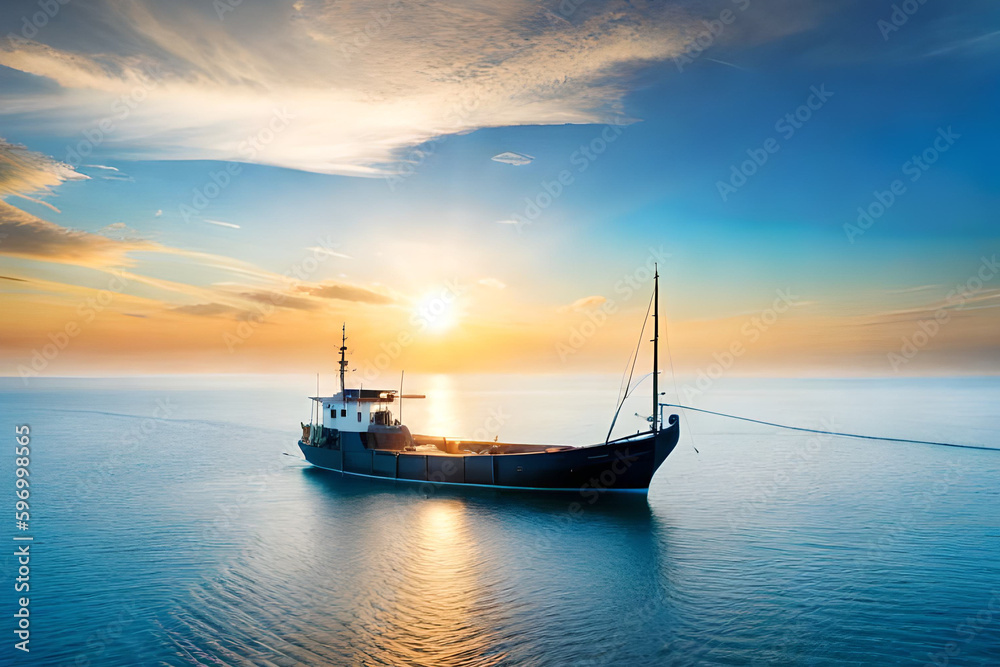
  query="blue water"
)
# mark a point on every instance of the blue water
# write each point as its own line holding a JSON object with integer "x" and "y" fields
{"x": 192, "y": 540}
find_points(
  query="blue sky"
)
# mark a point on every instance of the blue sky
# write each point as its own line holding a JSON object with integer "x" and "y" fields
{"x": 413, "y": 198}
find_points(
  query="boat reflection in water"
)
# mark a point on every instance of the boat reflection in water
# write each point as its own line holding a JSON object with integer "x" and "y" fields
{"x": 341, "y": 571}
{"x": 460, "y": 576}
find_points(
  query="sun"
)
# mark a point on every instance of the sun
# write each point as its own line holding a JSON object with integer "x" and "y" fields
{"x": 436, "y": 312}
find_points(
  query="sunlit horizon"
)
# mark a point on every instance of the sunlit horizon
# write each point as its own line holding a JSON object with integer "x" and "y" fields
{"x": 173, "y": 200}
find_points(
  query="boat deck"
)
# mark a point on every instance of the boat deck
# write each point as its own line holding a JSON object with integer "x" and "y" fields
{"x": 459, "y": 447}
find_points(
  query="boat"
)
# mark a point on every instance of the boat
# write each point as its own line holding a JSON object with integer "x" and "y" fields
{"x": 356, "y": 433}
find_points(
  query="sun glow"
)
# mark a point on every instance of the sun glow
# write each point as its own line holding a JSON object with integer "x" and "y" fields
{"x": 436, "y": 312}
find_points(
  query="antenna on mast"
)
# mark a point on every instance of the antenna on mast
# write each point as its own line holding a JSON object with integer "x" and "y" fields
{"x": 343, "y": 360}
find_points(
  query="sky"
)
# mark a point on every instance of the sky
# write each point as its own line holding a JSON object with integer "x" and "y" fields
{"x": 217, "y": 187}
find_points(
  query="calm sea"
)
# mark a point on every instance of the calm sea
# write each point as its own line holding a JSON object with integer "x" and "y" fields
{"x": 169, "y": 529}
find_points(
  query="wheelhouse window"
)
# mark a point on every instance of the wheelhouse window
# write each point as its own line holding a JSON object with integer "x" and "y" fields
{"x": 343, "y": 413}
{"x": 359, "y": 416}
{"x": 333, "y": 414}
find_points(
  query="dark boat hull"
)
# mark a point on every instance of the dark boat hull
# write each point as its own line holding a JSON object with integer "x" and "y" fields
{"x": 624, "y": 464}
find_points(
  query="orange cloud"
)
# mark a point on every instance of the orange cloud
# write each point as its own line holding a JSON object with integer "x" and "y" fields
{"x": 23, "y": 172}
{"x": 341, "y": 292}
{"x": 24, "y": 235}
{"x": 208, "y": 310}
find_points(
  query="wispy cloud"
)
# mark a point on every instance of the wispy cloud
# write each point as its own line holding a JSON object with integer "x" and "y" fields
{"x": 982, "y": 42}
{"x": 208, "y": 310}
{"x": 955, "y": 302}
{"x": 727, "y": 64}
{"x": 343, "y": 292}
{"x": 33, "y": 238}
{"x": 919, "y": 288}
{"x": 328, "y": 252}
{"x": 515, "y": 159}
{"x": 584, "y": 303}
{"x": 24, "y": 172}
{"x": 492, "y": 282}
{"x": 222, "y": 223}
{"x": 353, "y": 104}
{"x": 120, "y": 231}
{"x": 281, "y": 300}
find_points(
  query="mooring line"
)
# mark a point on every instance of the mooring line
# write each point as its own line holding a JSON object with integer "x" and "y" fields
{"x": 843, "y": 435}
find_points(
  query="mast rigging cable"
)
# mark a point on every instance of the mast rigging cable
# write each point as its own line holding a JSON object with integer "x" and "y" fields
{"x": 842, "y": 435}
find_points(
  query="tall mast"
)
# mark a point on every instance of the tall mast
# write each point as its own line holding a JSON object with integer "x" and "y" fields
{"x": 656, "y": 343}
{"x": 343, "y": 360}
